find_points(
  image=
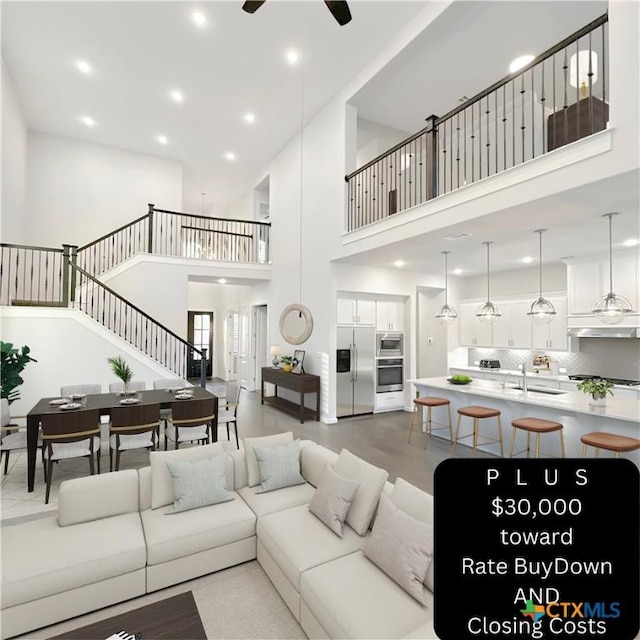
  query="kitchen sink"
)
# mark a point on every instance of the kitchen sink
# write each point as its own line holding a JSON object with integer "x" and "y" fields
{"x": 533, "y": 389}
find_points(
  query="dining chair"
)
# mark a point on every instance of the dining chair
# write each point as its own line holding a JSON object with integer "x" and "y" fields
{"x": 190, "y": 421}
{"x": 133, "y": 427}
{"x": 229, "y": 410}
{"x": 70, "y": 434}
{"x": 136, "y": 385}
{"x": 171, "y": 383}
{"x": 88, "y": 389}
{"x": 13, "y": 437}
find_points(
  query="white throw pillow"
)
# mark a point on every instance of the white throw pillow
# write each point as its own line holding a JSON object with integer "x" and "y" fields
{"x": 279, "y": 466}
{"x": 419, "y": 505}
{"x": 199, "y": 483}
{"x": 371, "y": 481}
{"x": 401, "y": 546}
{"x": 332, "y": 499}
{"x": 161, "y": 482}
{"x": 253, "y": 471}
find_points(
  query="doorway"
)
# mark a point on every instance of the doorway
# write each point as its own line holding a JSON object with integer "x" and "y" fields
{"x": 200, "y": 335}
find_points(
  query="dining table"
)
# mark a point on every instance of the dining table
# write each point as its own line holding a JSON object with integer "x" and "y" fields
{"x": 104, "y": 402}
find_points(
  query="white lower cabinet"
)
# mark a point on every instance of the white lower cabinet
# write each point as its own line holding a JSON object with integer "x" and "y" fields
{"x": 390, "y": 401}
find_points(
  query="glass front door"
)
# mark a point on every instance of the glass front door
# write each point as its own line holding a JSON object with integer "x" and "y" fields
{"x": 200, "y": 335}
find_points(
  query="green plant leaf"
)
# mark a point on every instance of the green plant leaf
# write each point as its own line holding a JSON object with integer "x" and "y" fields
{"x": 121, "y": 369}
{"x": 11, "y": 365}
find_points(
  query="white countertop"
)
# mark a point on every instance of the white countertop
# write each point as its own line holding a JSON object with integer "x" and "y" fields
{"x": 571, "y": 401}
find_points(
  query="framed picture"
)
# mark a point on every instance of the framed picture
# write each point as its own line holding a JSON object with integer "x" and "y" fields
{"x": 298, "y": 358}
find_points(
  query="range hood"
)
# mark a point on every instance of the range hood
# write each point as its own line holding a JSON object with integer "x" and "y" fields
{"x": 603, "y": 332}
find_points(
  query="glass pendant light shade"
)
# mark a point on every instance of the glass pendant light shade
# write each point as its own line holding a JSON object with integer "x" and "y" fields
{"x": 542, "y": 310}
{"x": 447, "y": 314}
{"x": 488, "y": 312}
{"x": 612, "y": 308}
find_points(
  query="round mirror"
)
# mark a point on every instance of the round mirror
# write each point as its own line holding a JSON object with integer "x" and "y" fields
{"x": 296, "y": 324}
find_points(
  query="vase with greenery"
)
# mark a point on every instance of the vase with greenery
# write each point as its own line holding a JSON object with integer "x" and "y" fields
{"x": 13, "y": 362}
{"x": 121, "y": 370}
{"x": 597, "y": 389}
{"x": 287, "y": 363}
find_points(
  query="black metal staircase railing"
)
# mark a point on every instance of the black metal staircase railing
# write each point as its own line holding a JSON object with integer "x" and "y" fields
{"x": 557, "y": 98}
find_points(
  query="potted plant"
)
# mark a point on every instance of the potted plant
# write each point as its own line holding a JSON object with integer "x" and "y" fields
{"x": 121, "y": 370}
{"x": 13, "y": 362}
{"x": 287, "y": 363}
{"x": 597, "y": 389}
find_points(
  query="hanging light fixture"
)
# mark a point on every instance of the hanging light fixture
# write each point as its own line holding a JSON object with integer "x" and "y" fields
{"x": 488, "y": 312}
{"x": 611, "y": 308}
{"x": 542, "y": 310}
{"x": 447, "y": 314}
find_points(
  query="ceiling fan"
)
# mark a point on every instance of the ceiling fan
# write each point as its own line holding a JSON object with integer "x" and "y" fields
{"x": 339, "y": 9}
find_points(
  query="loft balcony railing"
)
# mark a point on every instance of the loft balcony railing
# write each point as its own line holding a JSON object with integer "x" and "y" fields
{"x": 560, "y": 97}
{"x": 180, "y": 235}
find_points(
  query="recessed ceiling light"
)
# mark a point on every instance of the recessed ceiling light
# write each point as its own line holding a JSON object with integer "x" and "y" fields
{"x": 88, "y": 121}
{"x": 162, "y": 139}
{"x": 249, "y": 118}
{"x": 521, "y": 61}
{"x": 457, "y": 272}
{"x": 176, "y": 96}
{"x": 398, "y": 263}
{"x": 527, "y": 259}
{"x": 292, "y": 56}
{"x": 222, "y": 281}
{"x": 84, "y": 67}
{"x": 631, "y": 242}
{"x": 199, "y": 18}
{"x": 230, "y": 155}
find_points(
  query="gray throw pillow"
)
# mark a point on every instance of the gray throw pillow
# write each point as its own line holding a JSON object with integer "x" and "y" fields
{"x": 332, "y": 499}
{"x": 198, "y": 483}
{"x": 401, "y": 546}
{"x": 279, "y": 466}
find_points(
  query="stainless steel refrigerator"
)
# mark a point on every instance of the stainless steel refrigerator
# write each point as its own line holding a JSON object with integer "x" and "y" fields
{"x": 355, "y": 368}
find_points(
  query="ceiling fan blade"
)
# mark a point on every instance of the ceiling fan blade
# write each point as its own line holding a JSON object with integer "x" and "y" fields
{"x": 340, "y": 11}
{"x": 251, "y": 6}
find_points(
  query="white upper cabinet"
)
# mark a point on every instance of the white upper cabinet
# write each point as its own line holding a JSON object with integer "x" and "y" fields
{"x": 588, "y": 281}
{"x": 553, "y": 335}
{"x": 473, "y": 333}
{"x": 389, "y": 316}
{"x": 512, "y": 330}
{"x": 356, "y": 312}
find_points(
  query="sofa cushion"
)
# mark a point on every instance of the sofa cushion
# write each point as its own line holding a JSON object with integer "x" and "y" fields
{"x": 297, "y": 541}
{"x": 352, "y": 598}
{"x": 419, "y": 505}
{"x": 253, "y": 471}
{"x": 313, "y": 460}
{"x": 161, "y": 482}
{"x": 270, "y": 502}
{"x": 371, "y": 481}
{"x": 401, "y": 546}
{"x": 198, "y": 483}
{"x": 279, "y": 466}
{"x": 332, "y": 499}
{"x": 170, "y": 536}
{"x": 40, "y": 558}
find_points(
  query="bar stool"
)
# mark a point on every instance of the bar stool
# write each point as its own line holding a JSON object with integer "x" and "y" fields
{"x": 537, "y": 426}
{"x": 609, "y": 441}
{"x": 429, "y": 402}
{"x": 478, "y": 413}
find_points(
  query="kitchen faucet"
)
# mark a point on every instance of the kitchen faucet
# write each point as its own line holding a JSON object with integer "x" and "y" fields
{"x": 524, "y": 377}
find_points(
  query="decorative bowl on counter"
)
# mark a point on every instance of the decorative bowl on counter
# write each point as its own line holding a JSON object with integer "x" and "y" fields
{"x": 455, "y": 380}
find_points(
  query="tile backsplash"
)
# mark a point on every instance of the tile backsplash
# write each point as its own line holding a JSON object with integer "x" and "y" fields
{"x": 615, "y": 357}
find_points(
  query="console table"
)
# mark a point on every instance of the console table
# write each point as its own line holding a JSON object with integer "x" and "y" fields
{"x": 302, "y": 383}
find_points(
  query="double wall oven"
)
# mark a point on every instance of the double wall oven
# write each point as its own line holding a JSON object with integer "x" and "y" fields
{"x": 389, "y": 362}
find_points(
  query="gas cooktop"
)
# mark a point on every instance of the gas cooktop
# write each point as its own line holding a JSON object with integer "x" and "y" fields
{"x": 620, "y": 381}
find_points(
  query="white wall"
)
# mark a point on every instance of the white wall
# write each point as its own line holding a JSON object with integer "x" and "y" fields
{"x": 78, "y": 192}
{"x": 375, "y": 138}
{"x": 14, "y": 164}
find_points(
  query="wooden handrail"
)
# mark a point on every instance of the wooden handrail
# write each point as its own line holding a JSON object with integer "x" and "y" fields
{"x": 27, "y": 246}
{"x": 195, "y": 215}
{"x": 113, "y": 233}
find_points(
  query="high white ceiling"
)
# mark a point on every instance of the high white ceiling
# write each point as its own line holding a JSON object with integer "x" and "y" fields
{"x": 142, "y": 50}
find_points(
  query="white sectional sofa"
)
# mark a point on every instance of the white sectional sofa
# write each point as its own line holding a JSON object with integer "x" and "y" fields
{"x": 115, "y": 537}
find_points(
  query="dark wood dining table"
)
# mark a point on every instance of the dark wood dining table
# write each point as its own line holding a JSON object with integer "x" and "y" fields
{"x": 104, "y": 402}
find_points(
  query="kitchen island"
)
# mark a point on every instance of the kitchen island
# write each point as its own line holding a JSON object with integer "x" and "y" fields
{"x": 572, "y": 409}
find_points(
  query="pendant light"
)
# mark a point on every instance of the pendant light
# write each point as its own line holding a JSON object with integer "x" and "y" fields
{"x": 542, "y": 311}
{"x": 488, "y": 312}
{"x": 611, "y": 308}
{"x": 447, "y": 313}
